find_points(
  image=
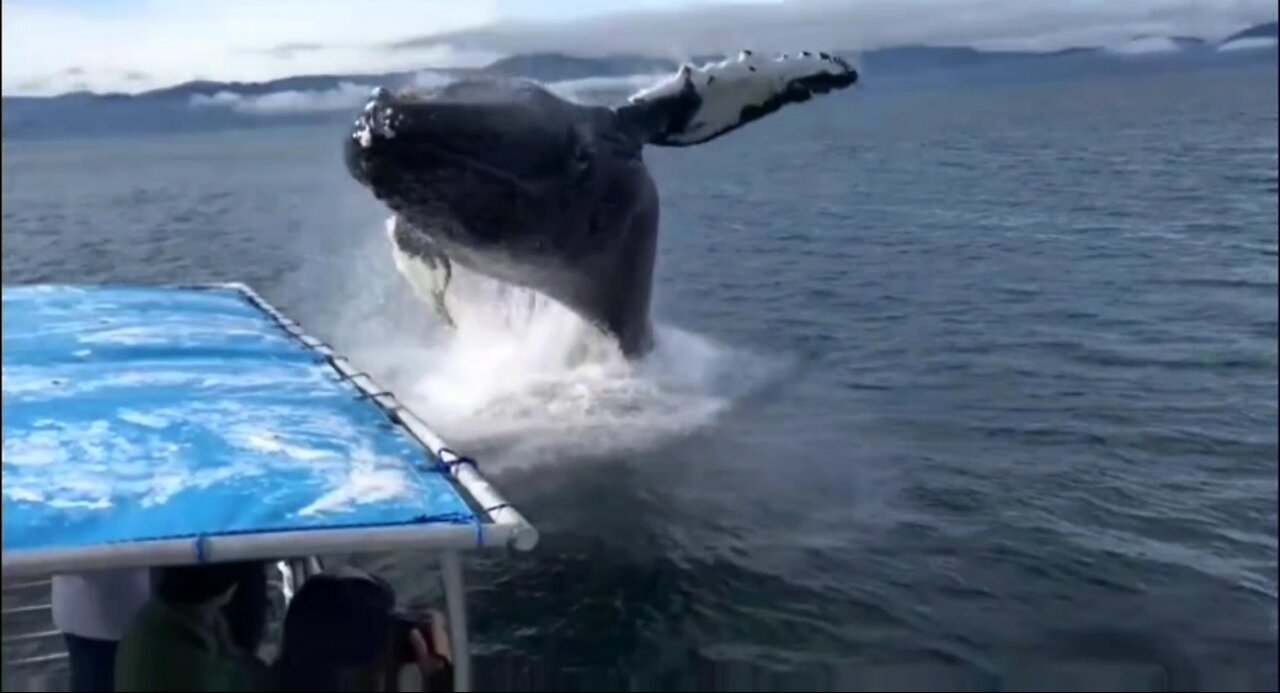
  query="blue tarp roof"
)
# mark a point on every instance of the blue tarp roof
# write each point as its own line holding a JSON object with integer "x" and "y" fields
{"x": 135, "y": 414}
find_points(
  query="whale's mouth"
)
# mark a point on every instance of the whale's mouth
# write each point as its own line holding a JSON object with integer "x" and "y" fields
{"x": 463, "y": 160}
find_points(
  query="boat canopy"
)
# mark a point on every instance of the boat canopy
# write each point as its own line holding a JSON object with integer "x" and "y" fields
{"x": 183, "y": 424}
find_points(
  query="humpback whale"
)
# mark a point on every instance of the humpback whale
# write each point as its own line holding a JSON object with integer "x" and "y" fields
{"x": 510, "y": 181}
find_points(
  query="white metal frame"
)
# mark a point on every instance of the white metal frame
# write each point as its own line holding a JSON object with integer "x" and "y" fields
{"x": 506, "y": 527}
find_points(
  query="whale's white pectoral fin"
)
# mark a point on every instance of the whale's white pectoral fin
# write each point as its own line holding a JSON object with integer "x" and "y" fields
{"x": 427, "y": 270}
{"x": 699, "y": 104}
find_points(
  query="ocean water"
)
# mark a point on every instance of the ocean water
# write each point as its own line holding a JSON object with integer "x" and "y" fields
{"x": 963, "y": 387}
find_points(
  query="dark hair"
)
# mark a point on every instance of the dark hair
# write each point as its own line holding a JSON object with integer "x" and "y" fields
{"x": 335, "y": 623}
{"x": 247, "y": 612}
{"x": 197, "y": 584}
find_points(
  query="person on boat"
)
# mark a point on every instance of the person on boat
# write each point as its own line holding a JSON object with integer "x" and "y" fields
{"x": 249, "y": 607}
{"x": 93, "y": 610}
{"x": 342, "y": 633}
{"x": 181, "y": 639}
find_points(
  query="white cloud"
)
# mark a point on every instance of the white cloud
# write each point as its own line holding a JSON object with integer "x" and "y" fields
{"x": 174, "y": 41}
{"x": 348, "y": 96}
{"x": 1147, "y": 45}
{"x": 228, "y": 40}
{"x": 1252, "y": 43}
{"x": 865, "y": 24}
{"x": 345, "y": 96}
{"x": 427, "y": 79}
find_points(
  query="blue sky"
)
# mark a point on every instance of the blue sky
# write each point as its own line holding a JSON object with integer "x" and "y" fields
{"x": 131, "y": 45}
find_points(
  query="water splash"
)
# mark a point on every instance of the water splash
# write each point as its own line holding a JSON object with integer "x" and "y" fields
{"x": 522, "y": 375}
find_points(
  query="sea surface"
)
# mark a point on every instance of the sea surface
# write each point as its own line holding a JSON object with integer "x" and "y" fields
{"x": 963, "y": 387}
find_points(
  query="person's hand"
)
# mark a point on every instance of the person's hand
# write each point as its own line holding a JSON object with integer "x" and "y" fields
{"x": 439, "y": 638}
{"x": 428, "y": 663}
{"x": 435, "y": 660}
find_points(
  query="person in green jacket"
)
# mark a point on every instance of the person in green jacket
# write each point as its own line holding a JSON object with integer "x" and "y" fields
{"x": 180, "y": 639}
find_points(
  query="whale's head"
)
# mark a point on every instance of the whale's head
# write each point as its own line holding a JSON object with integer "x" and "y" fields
{"x": 499, "y": 168}
{"x": 513, "y": 182}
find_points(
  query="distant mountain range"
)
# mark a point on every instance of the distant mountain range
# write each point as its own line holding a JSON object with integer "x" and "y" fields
{"x": 207, "y": 105}
{"x": 1267, "y": 30}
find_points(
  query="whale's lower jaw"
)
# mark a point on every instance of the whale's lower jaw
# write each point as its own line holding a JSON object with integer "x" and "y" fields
{"x": 429, "y": 281}
{"x": 429, "y": 278}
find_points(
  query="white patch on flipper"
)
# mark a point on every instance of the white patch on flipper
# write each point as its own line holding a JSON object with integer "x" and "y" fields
{"x": 730, "y": 88}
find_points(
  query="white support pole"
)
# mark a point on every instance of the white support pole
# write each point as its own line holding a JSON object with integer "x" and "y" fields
{"x": 288, "y": 580}
{"x": 254, "y": 547}
{"x": 455, "y": 599}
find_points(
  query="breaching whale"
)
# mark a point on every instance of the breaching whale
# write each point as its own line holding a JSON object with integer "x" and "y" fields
{"x": 512, "y": 182}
